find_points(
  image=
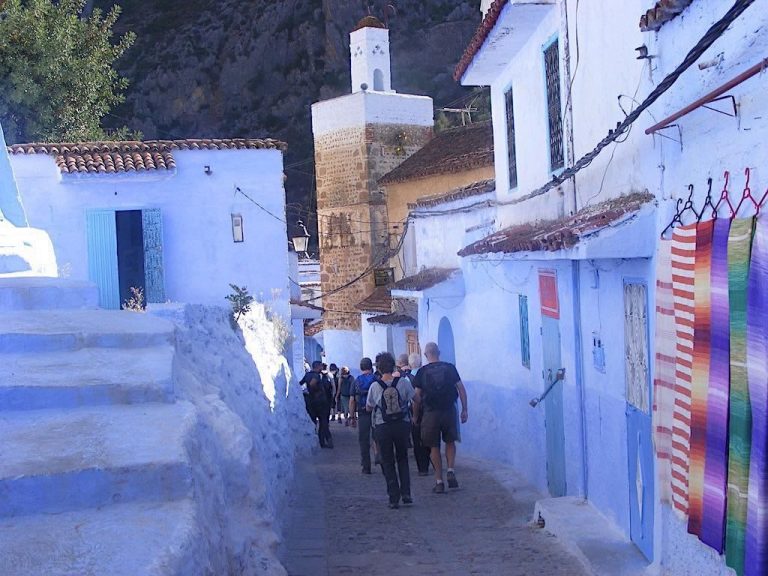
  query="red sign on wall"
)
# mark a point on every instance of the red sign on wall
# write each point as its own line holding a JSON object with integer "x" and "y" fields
{"x": 550, "y": 305}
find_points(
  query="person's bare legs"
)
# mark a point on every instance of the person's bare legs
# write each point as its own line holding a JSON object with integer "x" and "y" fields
{"x": 437, "y": 462}
{"x": 450, "y": 454}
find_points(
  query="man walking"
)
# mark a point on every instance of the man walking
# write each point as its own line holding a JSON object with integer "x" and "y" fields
{"x": 409, "y": 366}
{"x": 389, "y": 401}
{"x": 357, "y": 403}
{"x": 438, "y": 384}
{"x": 318, "y": 401}
{"x": 343, "y": 392}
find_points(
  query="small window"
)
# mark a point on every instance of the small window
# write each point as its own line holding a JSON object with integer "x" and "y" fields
{"x": 637, "y": 367}
{"x": 378, "y": 80}
{"x": 525, "y": 343}
{"x": 552, "y": 72}
{"x": 237, "y": 227}
{"x": 511, "y": 154}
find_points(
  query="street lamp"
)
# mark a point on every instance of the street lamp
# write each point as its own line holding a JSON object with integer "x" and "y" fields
{"x": 301, "y": 238}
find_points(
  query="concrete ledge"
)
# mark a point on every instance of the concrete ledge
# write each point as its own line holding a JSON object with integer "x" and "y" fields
{"x": 36, "y": 293}
{"x": 590, "y": 536}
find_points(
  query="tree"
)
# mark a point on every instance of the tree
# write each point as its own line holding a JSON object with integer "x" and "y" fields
{"x": 57, "y": 79}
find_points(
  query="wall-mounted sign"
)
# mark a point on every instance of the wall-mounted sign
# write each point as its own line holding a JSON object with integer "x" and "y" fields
{"x": 550, "y": 304}
{"x": 383, "y": 276}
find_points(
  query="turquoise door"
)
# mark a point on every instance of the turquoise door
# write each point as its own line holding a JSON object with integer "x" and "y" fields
{"x": 553, "y": 403}
{"x": 101, "y": 231}
{"x": 152, "y": 228}
{"x": 638, "y": 414}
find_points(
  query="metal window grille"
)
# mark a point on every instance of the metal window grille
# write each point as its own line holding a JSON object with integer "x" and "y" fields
{"x": 511, "y": 153}
{"x": 636, "y": 345}
{"x": 525, "y": 344}
{"x": 552, "y": 71}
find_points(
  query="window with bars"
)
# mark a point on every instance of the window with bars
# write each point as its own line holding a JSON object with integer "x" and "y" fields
{"x": 525, "y": 342}
{"x": 552, "y": 74}
{"x": 511, "y": 154}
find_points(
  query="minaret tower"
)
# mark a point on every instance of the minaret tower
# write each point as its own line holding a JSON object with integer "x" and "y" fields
{"x": 358, "y": 138}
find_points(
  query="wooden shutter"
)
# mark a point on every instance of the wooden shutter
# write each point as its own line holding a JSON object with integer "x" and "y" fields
{"x": 152, "y": 224}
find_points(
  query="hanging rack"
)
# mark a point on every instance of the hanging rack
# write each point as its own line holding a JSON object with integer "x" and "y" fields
{"x": 708, "y": 202}
{"x": 724, "y": 196}
{"x": 675, "y": 219}
{"x": 747, "y": 194}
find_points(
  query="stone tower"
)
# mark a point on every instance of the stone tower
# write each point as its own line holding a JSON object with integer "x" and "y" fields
{"x": 358, "y": 138}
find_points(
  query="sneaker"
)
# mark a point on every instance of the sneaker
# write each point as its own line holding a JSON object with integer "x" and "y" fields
{"x": 394, "y": 505}
{"x": 439, "y": 488}
{"x": 407, "y": 500}
{"x": 452, "y": 482}
{"x": 424, "y": 473}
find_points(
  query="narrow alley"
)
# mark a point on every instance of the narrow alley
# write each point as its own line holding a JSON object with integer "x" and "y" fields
{"x": 340, "y": 523}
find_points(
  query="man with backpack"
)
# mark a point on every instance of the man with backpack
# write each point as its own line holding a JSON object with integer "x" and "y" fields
{"x": 408, "y": 366}
{"x": 389, "y": 400}
{"x": 343, "y": 392}
{"x": 357, "y": 403}
{"x": 318, "y": 400}
{"x": 438, "y": 385}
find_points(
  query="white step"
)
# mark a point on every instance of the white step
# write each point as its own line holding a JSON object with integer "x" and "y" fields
{"x": 35, "y": 293}
{"x": 61, "y": 330}
{"x": 86, "y": 377}
{"x": 53, "y": 461}
{"x": 141, "y": 539}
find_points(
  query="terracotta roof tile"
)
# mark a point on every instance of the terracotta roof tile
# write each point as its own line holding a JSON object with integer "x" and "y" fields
{"x": 307, "y": 305}
{"x": 551, "y": 235}
{"x": 393, "y": 319}
{"x": 481, "y": 35}
{"x": 314, "y": 328}
{"x": 451, "y": 151}
{"x": 661, "y": 13}
{"x": 380, "y": 300}
{"x": 132, "y": 156}
{"x": 369, "y": 22}
{"x": 474, "y": 189}
{"x": 425, "y": 279}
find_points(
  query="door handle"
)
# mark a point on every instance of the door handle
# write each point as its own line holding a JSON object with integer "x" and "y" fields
{"x": 559, "y": 375}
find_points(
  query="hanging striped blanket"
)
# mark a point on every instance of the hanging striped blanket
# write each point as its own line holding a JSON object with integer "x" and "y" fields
{"x": 756, "y": 550}
{"x": 716, "y": 460}
{"x": 702, "y": 334}
{"x": 740, "y": 418}
{"x": 683, "y": 266}
{"x": 664, "y": 369}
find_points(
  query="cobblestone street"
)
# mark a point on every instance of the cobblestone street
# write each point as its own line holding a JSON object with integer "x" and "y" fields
{"x": 340, "y": 523}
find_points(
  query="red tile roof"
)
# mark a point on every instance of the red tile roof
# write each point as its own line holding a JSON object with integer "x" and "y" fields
{"x": 451, "y": 151}
{"x": 307, "y": 305}
{"x": 314, "y": 328}
{"x": 133, "y": 156}
{"x": 380, "y": 300}
{"x": 425, "y": 279}
{"x": 369, "y": 22}
{"x": 661, "y": 13}
{"x": 474, "y": 189}
{"x": 551, "y": 235}
{"x": 481, "y": 35}
{"x": 393, "y": 319}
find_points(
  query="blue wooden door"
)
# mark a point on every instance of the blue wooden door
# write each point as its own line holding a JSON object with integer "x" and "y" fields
{"x": 553, "y": 403}
{"x": 638, "y": 392}
{"x": 102, "y": 256}
{"x": 445, "y": 341}
{"x": 152, "y": 226}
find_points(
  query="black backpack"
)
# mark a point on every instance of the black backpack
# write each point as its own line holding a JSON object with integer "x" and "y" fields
{"x": 441, "y": 393}
{"x": 391, "y": 405}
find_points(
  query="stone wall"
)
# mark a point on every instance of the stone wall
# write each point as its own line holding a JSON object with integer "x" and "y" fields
{"x": 352, "y": 209}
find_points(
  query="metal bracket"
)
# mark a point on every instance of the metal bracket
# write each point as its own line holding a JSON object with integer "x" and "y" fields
{"x": 735, "y": 106}
{"x": 679, "y": 138}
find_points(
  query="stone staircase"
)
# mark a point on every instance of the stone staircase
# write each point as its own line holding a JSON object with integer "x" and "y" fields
{"x": 95, "y": 477}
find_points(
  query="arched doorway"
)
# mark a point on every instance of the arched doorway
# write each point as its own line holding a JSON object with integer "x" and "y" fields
{"x": 445, "y": 341}
{"x": 378, "y": 80}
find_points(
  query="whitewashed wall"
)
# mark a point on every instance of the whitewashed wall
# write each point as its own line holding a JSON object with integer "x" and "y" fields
{"x": 199, "y": 255}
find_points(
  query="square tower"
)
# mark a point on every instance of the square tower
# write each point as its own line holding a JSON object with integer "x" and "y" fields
{"x": 358, "y": 138}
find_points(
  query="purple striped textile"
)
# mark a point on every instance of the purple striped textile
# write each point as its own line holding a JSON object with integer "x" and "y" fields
{"x": 756, "y": 553}
{"x": 716, "y": 460}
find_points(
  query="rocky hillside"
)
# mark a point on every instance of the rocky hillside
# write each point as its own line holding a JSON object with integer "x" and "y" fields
{"x": 229, "y": 68}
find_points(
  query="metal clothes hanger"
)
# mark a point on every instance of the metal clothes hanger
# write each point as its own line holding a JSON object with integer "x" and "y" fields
{"x": 724, "y": 196}
{"x": 689, "y": 204}
{"x": 747, "y": 194}
{"x": 760, "y": 204}
{"x": 708, "y": 202}
{"x": 675, "y": 219}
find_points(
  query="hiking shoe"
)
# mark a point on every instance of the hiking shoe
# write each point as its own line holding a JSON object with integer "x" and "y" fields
{"x": 394, "y": 505}
{"x": 407, "y": 500}
{"x": 439, "y": 488}
{"x": 424, "y": 473}
{"x": 452, "y": 482}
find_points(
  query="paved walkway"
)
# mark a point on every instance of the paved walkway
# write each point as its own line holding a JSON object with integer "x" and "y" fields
{"x": 340, "y": 524}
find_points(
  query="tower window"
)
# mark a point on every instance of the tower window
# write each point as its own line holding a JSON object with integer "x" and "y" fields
{"x": 378, "y": 80}
{"x": 552, "y": 70}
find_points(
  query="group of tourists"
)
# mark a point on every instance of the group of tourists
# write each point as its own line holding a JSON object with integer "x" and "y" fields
{"x": 395, "y": 405}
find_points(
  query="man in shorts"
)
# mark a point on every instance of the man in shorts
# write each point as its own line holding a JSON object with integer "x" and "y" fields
{"x": 437, "y": 385}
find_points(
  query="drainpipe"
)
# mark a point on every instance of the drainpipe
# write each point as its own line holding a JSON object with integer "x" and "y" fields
{"x": 575, "y": 264}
